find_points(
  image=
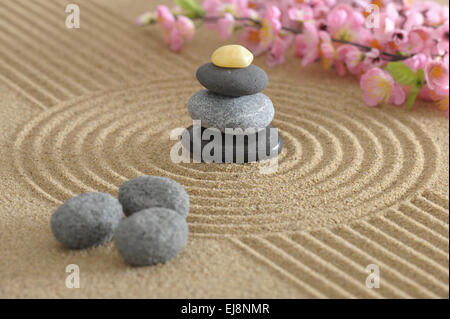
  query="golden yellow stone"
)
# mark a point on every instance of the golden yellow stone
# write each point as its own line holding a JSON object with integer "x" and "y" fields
{"x": 232, "y": 56}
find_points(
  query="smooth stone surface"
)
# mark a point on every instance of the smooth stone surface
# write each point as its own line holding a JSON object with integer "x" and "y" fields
{"x": 86, "y": 220}
{"x": 232, "y": 82}
{"x": 232, "y": 56}
{"x": 250, "y": 145}
{"x": 153, "y": 191}
{"x": 220, "y": 111}
{"x": 151, "y": 236}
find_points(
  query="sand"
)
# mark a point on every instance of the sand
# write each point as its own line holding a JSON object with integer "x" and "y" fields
{"x": 84, "y": 110}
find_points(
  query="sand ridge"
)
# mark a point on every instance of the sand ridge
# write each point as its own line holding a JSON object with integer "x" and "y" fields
{"x": 325, "y": 174}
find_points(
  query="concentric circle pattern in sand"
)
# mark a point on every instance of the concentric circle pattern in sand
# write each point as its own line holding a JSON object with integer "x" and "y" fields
{"x": 339, "y": 163}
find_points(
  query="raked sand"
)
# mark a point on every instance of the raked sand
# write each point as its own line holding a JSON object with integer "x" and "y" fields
{"x": 84, "y": 110}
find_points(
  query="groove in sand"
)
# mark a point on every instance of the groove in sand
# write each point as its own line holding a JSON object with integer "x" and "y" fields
{"x": 320, "y": 170}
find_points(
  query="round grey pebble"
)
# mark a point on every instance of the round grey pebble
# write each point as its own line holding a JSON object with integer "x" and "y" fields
{"x": 220, "y": 111}
{"x": 86, "y": 220}
{"x": 151, "y": 236}
{"x": 153, "y": 191}
{"x": 232, "y": 81}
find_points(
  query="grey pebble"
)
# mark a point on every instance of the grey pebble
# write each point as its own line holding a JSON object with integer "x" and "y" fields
{"x": 151, "y": 236}
{"x": 220, "y": 111}
{"x": 232, "y": 81}
{"x": 153, "y": 191}
{"x": 86, "y": 220}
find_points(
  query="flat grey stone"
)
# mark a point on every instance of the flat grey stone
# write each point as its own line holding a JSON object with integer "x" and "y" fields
{"x": 153, "y": 191}
{"x": 242, "y": 148}
{"x": 220, "y": 111}
{"x": 151, "y": 236}
{"x": 232, "y": 81}
{"x": 86, "y": 220}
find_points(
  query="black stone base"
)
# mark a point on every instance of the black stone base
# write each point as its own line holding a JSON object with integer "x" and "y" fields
{"x": 234, "y": 148}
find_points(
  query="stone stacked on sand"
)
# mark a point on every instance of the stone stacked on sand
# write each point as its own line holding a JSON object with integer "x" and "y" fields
{"x": 232, "y": 101}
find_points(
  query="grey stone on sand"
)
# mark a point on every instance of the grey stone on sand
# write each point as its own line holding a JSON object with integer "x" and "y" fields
{"x": 232, "y": 81}
{"x": 151, "y": 236}
{"x": 153, "y": 191}
{"x": 242, "y": 148}
{"x": 220, "y": 111}
{"x": 86, "y": 220}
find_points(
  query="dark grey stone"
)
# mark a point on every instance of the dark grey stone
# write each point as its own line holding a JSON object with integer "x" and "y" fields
{"x": 151, "y": 236}
{"x": 247, "y": 145}
{"x": 153, "y": 191}
{"x": 220, "y": 111}
{"x": 232, "y": 81}
{"x": 86, "y": 220}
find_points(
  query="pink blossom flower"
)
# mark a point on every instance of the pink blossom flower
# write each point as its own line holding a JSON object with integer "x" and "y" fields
{"x": 212, "y": 7}
{"x": 418, "y": 40}
{"x": 226, "y": 25}
{"x": 326, "y": 49}
{"x": 270, "y": 25}
{"x": 407, "y": 3}
{"x": 377, "y": 85}
{"x": 235, "y": 7}
{"x": 391, "y": 11}
{"x": 443, "y": 102}
{"x": 330, "y": 55}
{"x": 398, "y": 95}
{"x": 426, "y": 94}
{"x": 399, "y": 37}
{"x": 175, "y": 30}
{"x": 388, "y": 26}
{"x": 251, "y": 38}
{"x": 304, "y": 13}
{"x": 344, "y": 22}
{"x": 300, "y": 45}
{"x": 418, "y": 61}
{"x": 437, "y": 77}
{"x": 433, "y": 15}
{"x": 382, "y": 35}
{"x": 351, "y": 56}
{"x": 338, "y": 18}
{"x": 414, "y": 19}
{"x": 321, "y": 9}
{"x": 217, "y": 8}
{"x": 372, "y": 59}
{"x": 176, "y": 40}
{"x": 165, "y": 18}
{"x": 307, "y": 44}
{"x": 441, "y": 35}
{"x": 273, "y": 13}
{"x": 242, "y": 8}
{"x": 227, "y": 10}
{"x": 276, "y": 52}
{"x": 186, "y": 27}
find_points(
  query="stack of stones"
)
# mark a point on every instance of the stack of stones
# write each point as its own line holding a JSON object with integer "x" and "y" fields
{"x": 232, "y": 101}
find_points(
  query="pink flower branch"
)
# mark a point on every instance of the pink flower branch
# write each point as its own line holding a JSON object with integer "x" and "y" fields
{"x": 403, "y": 56}
{"x": 256, "y": 23}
